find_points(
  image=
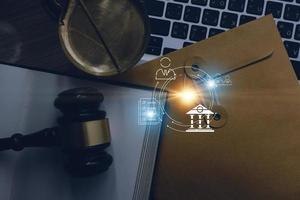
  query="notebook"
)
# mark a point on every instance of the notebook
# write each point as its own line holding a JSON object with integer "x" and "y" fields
{"x": 33, "y": 174}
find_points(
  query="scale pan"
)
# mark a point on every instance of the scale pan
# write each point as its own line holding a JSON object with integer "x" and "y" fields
{"x": 123, "y": 26}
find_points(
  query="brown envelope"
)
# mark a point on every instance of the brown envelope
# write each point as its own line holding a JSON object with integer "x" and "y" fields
{"x": 256, "y": 155}
{"x": 225, "y": 52}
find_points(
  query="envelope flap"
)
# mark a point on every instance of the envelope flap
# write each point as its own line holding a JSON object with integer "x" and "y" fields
{"x": 228, "y": 51}
{"x": 234, "y": 48}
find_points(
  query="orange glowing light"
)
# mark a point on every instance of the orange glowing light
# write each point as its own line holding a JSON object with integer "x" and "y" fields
{"x": 187, "y": 96}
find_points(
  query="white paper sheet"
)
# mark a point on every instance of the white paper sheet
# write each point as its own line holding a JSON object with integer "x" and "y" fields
{"x": 26, "y": 105}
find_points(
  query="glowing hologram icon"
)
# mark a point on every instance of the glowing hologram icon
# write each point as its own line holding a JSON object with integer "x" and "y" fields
{"x": 198, "y": 115}
{"x": 165, "y": 62}
{"x": 211, "y": 84}
{"x": 164, "y": 74}
{"x": 223, "y": 80}
{"x": 149, "y": 112}
{"x": 227, "y": 80}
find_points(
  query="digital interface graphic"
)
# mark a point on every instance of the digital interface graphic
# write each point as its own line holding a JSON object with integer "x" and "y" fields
{"x": 150, "y": 112}
{"x": 195, "y": 99}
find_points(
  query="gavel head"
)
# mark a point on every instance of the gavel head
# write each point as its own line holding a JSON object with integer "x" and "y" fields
{"x": 84, "y": 131}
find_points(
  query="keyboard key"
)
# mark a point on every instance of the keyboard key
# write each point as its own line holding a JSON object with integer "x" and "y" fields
{"x": 192, "y": 14}
{"x": 255, "y": 7}
{"x": 159, "y": 27}
{"x": 236, "y": 5}
{"x": 217, "y": 4}
{"x": 182, "y": 1}
{"x": 297, "y": 32}
{"x": 246, "y": 18}
{"x": 153, "y": 50}
{"x": 155, "y": 8}
{"x": 185, "y": 44}
{"x": 199, "y": 2}
{"x": 296, "y": 65}
{"x": 285, "y": 29}
{"x": 292, "y": 48}
{"x": 174, "y": 11}
{"x": 292, "y": 12}
{"x": 210, "y": 17}
{"x": 155, "y": 41}
{"x": 168, "y": 50}
{"x": 228, "y": 20}
{"x": 198, "y": 33}
{"x": 154, "y": 45}
{"x": 214, "y": 31}
{"x": 180, "y": 30}
{"x": 274, "y": 8}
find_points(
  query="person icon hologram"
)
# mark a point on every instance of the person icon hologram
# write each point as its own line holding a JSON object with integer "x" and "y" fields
{"x": 165, "y": 72}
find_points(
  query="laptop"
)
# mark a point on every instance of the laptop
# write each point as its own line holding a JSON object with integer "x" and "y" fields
{"x": 178, "y": 23}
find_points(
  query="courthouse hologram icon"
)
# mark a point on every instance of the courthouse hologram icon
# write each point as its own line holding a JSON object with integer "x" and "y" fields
{"x": 198, "y": 115}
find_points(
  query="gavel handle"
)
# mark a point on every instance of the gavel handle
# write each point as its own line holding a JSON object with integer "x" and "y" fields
{"x": 45, "y": 138}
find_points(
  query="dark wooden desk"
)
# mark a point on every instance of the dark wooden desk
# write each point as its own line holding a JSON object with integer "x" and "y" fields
{"x": 29, "y": 38}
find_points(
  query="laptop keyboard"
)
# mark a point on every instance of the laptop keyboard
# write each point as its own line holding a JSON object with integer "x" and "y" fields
{"x": 178, "y": 23}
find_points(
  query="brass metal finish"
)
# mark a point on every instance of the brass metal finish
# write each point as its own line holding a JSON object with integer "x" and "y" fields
{"x": 87, "y": 134}
{"x": 113, "y": 20}
{"x": 96, "y": 132}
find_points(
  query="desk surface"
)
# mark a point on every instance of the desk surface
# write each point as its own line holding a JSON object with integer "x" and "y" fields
{"x": 29, "y": 38}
